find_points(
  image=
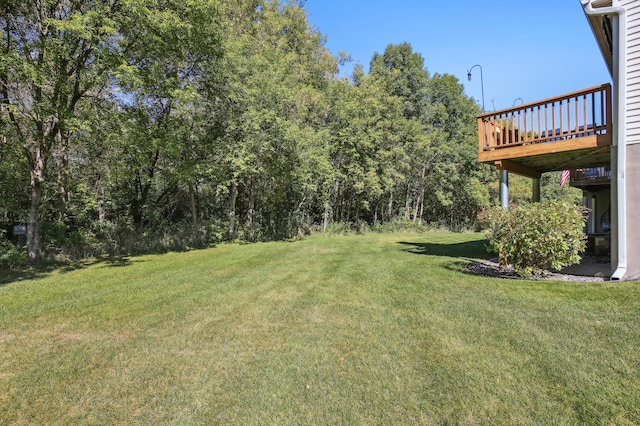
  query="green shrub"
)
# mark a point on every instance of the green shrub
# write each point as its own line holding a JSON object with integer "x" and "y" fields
{"x": 400, "y": 225}
{"x": 11, "y": 256}
{"x": 342, "y": 228}
{"x": 535, "y": 237}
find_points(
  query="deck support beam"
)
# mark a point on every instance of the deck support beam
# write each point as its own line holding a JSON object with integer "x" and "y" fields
{"x": 504, "y": 189}
{"x": 517, "y": 169}
{"x": 535, "y": 190}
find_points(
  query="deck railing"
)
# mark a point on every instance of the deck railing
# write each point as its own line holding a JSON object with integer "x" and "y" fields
{"x": 591, "y": 176}
{"x": 578, "y": 114}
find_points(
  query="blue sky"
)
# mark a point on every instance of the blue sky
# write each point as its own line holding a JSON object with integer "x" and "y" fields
{"x": 527, "y": 49}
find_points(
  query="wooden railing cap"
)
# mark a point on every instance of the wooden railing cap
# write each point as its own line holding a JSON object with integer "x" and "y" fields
{"x": 602, "y": 87}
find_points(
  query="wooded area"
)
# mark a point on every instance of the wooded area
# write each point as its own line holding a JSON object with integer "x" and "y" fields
{"x": 128, "y": 125}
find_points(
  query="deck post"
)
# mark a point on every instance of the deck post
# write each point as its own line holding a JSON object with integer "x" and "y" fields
{"x": 535, "y": 196}
{"x": 504, "y": 189}
{"x": 586, "y": 202}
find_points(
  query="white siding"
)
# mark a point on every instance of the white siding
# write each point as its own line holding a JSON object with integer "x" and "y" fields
{"x": 633, "y": 71}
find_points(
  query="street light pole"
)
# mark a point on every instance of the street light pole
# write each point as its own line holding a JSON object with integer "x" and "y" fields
{"x": 481, "y": 82}
{"x": 516, "y": 100}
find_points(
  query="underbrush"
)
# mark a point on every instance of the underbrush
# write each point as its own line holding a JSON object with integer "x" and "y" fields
{"x": 11, "y": 256}
{"x": 393, "y": 226}
{"x": 109, "y": 238}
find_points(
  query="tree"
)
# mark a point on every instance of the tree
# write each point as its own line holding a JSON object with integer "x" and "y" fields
{"x": 169, "y": 46}
{"x": 408, "y": 155}
{"x": 458, "y": 182}
{"x": 266, "y": 88}
{"x": 55, "y": 57}
{"x": 218, "y": 117}
{"x": 14, "y": 189}
{"x": 405, "y": 75}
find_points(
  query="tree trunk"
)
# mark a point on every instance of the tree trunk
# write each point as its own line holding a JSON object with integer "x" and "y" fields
{"x": 375, "y": 213}
{"x": 194, "y": 212}
{"x": 102, "y": 212}
{"x": 144, "y": 180}
{"x": 390, "y": 205}
{"x": 137, "y": 204}
{"x": 423, "y": 187}
{"x": 327, "y": 208}
{"x": 137, "y": 216}
{"x": 250, "y": 210}
{"x": 63, "y": 175}
{"x": 34, "y": 242}
{"x": 415, "y": 209}
{"x": 407, "y": 204}
{"x": 338, "y": 208}
{"x": 232, "y": 211}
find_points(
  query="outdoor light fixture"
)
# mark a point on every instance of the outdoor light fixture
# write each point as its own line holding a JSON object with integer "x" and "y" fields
{"x": 481, "y": 82}
{"x": 516, "y": 100}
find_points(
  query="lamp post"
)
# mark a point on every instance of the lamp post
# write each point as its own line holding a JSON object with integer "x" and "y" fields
{"x": 504, "y": 175}
{"x": 516, "y": 100}
{"x": 481, "y": 82}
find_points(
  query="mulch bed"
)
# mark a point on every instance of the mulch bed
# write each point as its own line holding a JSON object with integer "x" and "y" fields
{"x": 491, "y": 268}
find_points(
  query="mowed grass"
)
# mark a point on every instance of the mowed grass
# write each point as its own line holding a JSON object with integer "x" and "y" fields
{"x": 374, "y": 329}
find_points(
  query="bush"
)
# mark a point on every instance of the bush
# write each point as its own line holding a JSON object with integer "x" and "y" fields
{"x": 400, "y": 225}
{"x": 535, "y": 237}
{"x": 11, "y": 257}
{"x": 344, "y": 228}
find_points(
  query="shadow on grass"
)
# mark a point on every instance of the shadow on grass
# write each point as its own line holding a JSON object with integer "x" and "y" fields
{"x": 468, "y": 249}
{"x": 474, "y": 268}
{"x": 41, "y": 270}
{"x": 466, "y": 258}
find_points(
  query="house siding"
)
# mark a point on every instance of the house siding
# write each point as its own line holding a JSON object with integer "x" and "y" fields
{"x": 633, "y": 71}
{"x": 633, "y": 210}
{"x": 632, "y": 133}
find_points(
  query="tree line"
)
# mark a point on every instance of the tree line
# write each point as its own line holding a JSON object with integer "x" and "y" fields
{"x": 133, "y": 122}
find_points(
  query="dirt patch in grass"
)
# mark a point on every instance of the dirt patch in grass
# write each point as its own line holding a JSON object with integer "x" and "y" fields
{"x": 66, "y": 337}
{"x": 6, "y": 337}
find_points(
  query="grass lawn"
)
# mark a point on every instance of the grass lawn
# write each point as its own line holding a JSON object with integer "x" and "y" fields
{"x": 374, "y": 329}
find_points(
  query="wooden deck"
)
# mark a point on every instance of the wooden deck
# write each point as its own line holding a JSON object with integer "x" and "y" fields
{"x": 590, "y": 178}
{"x": 567, "y": 132}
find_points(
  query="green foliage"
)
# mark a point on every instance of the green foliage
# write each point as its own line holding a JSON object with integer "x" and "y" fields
{"x": 14, "y": 184}
{"x": 404, "y": 71}
{"x": 400, "y": 225}
{"x": 11, "y": 257}
{"x": 535, "y": 237}
{"x": 162, "y": 124}
{"x": 550, "y": 189}
{"x": 346, "y": 228}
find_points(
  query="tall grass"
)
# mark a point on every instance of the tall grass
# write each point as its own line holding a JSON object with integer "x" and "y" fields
{"x": 362, "y": 329}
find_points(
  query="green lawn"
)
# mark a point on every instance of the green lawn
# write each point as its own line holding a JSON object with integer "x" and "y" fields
{"x": 375, "y": 329}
